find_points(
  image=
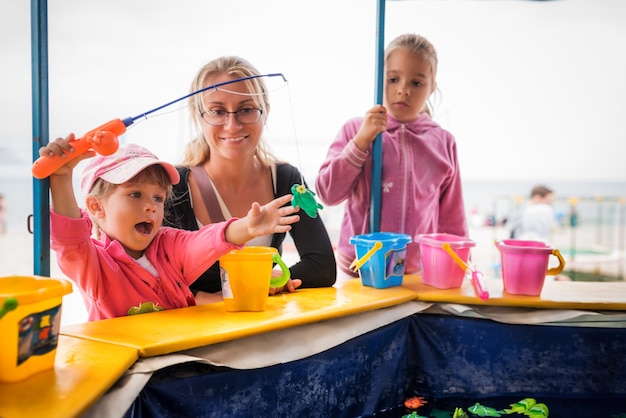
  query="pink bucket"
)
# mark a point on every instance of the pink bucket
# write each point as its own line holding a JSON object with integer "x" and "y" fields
{"x": 438, "y": 268}
{"x": 525, "y": 265}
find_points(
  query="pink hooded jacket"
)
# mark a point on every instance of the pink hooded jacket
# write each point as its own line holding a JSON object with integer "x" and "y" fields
{"x": 113, "y": 284}
{"x": 421, "y": 185}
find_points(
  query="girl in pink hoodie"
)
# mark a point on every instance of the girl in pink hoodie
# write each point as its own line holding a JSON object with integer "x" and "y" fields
{"x": 421, "y": 182}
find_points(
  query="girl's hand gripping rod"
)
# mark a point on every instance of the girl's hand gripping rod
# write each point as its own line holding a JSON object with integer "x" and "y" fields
{"x": 103, "y": 140}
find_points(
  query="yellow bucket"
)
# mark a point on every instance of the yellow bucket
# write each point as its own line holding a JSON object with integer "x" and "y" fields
{"x": 30, "y": 320}
{"x": 246, "y": 276}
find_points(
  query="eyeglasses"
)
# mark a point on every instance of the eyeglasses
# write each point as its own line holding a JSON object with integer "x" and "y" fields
{"x": 219, "y": 117}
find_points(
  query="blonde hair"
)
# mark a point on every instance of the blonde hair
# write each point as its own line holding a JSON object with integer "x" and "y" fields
{"x": 418, "y": 45}
{"x": 197, "y": 151}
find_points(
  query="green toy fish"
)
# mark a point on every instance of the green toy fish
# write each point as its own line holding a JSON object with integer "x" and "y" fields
{"x": 522, "y": 406}
{"x": 413, "y": 415}
{"x": 539, "y": 410}
{"x": 483, "y": 411}
{"x": 305, "y": 200}
{"x": 459, "y": 413}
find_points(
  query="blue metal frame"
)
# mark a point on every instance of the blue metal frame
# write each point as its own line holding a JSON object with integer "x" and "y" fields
{"x": 377, "y": 149}
{"x": 41, "y": 188}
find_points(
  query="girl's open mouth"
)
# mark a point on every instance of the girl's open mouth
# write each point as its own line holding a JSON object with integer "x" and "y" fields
{"x": 144, "y": 228}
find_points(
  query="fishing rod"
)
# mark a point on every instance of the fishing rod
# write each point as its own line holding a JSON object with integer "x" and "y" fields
{"x": 104, "y": 138}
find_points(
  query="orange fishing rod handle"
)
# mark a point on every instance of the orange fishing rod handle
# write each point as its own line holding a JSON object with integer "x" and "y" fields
{"x": 103, "y": 140}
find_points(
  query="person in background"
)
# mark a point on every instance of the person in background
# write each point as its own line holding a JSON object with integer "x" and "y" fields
{"x": 537, "y": 220}
{"x": 421, "y": 180}
{"x": 134, "y": 265}
{"x": 228, "y": 166}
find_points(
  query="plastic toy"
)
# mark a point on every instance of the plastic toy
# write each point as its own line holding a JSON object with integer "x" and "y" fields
{"x": 459, "y": 413}
{"x": 522, "y": 406}
{"x": 483, "y": 411}
{"x": 9, "y": 305}
{"x": 104, "y": 139}
{"x": 415, "y": 402}
{"x": 478, "y": 279}
{"x": 284, "y": 278}
{"x": 357, "y": 263}
{"x": 539, "y": 410}
{"x": 413, "y": 415}
{"x": 305, "y": 199}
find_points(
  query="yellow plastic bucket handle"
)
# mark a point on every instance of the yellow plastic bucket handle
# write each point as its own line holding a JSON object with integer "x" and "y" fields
{"x": 558, "y": 269}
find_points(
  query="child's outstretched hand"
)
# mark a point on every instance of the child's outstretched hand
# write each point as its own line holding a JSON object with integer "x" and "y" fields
{"x": 271, "y": 218}
{"x": 374, "y": 122}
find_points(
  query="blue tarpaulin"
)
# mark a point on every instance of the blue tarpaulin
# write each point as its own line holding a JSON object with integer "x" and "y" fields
{"x": 576, "y": 371}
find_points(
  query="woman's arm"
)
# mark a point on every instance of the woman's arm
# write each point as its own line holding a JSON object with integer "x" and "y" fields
{"x": 317, "y": 266}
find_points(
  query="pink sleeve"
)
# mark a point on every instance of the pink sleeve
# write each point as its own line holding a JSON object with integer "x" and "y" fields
{"x": 344, "y": 163}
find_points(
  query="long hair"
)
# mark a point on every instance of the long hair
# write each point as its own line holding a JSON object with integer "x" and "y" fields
{"x": 197, "y": 150}
{"x": 419, "y": 46}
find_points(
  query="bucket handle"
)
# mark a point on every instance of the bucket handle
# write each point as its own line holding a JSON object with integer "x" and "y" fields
{"x": 358, "y": 263}
{"x": 477, "y": 276}
{"x": 284, "y": 278}
{"x": 554, "y": 271}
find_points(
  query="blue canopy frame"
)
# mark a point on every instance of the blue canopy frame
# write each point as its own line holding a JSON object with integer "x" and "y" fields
{"x": 40, "y": 111}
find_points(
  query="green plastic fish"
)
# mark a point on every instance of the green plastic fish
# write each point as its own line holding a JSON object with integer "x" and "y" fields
{"x": 413, "y": 415}
{"x": 145, "y": 307}
{"x": 521, "y": 406}
{"x": 305, "y": 200}
{"x": 459, "y": 413}
{"x": 539, "y": 410}
{"x": 483, "y": 411}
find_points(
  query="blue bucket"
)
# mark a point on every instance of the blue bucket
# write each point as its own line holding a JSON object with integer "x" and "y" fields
{"x": 385, "y": 268}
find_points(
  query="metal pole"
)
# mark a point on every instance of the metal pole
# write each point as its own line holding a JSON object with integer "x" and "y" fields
{"x": 41, "y": 188}
{"x": 377, "y": 147}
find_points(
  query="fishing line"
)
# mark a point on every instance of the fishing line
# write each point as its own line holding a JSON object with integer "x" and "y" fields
{"x": 130, "y": 120}
{"x": 104, "y": 140}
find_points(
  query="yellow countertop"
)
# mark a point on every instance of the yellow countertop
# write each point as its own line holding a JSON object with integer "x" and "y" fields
{"x": 174, "y": 330}
{"x": 555, "y": 295}
{"x": 83, "y": 371}
{"x": 92, "y": 356}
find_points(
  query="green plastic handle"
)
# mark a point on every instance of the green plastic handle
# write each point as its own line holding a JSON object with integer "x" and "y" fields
{"x": 8, "y": 305}
{"x": 284, "y": 278}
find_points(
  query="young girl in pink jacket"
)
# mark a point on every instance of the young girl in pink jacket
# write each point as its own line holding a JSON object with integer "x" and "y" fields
{"x": 132, "y": 264}
{"x": 421, "y": 182}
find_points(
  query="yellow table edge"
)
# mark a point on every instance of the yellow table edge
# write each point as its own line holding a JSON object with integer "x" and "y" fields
{"x": 83, "y": 371}
{"x": 165, "y": 332}
{"x": 591, "y": 296}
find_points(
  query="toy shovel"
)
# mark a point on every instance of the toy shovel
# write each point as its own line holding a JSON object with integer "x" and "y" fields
{"x": 356, "y": 264}
{"x": 478, "y": 280}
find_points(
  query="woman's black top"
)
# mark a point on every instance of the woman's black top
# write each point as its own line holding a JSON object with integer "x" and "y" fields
{"x": 317, "y": 266}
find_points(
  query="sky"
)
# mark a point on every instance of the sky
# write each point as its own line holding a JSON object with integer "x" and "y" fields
{"x": 530, "y": 89}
